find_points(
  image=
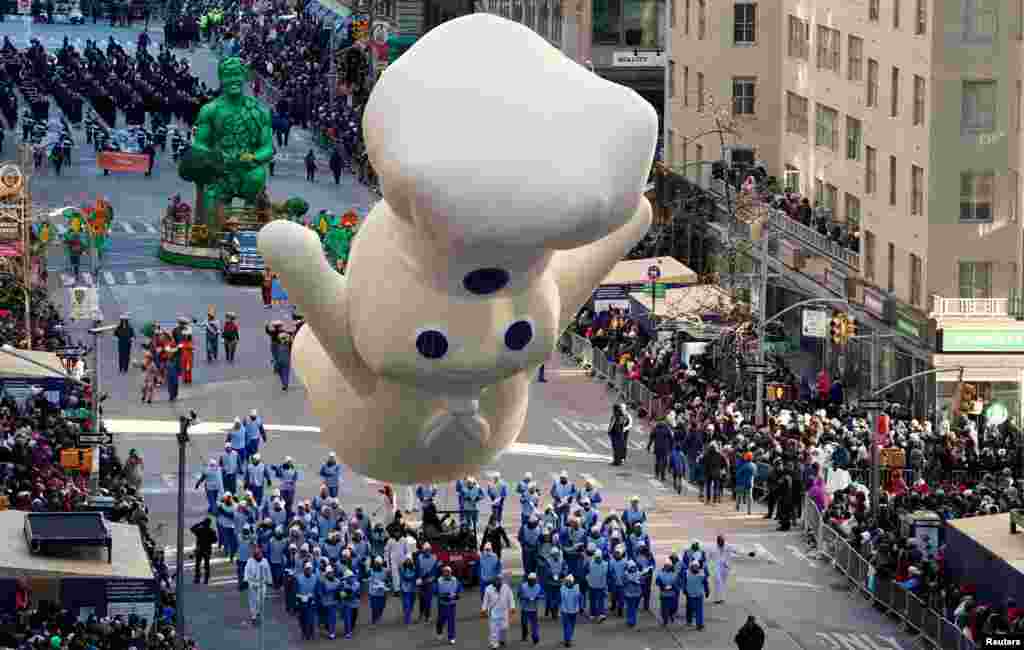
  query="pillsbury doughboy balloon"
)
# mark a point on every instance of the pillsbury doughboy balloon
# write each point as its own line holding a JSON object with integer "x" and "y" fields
{"x": 513, "y": 182}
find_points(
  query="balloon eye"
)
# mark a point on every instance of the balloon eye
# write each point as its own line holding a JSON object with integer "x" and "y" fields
{"x": 518, "y": 335}
{"x": 432, "y": 344}
{"x": 484, "y": 282}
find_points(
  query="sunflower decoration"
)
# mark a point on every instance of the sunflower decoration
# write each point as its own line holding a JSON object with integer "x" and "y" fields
{"x": 324, "y": 222}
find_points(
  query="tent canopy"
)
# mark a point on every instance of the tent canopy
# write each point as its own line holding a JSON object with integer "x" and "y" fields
{"x": 13, "y": 367}
{"x": 695, "y": 301}
{"x": 635, "y": 272}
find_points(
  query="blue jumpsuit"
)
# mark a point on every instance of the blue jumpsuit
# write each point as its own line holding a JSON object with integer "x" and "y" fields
{"x": 471, "y": 497}
{"x": 632, "y": 591}
{"x": 447, "y": 590}
{"x": 570, "y": 605}
{"x": 529, "y": 541}
{"x": 350, "y": 601}
{"x": 552, "y": 569}
{"x": 426, "y": 572}
{"x": 666, "y": 580}
{"x": 597, "y": 581}
{"x": 529, "y": 599}
{"x": 305, "y": 592}
{"x": 331, "y": 475}
{"x": 378, "y": 590}
{"x": 616, "y": 582}
{"x": 497, "y": 494}
{"x": 329, "y": 591}
{"x": 489, "y": 568}
{"x": 407, "y": 578}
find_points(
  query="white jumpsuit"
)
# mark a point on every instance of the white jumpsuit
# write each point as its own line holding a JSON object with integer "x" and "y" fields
{"x": 498, "y": 605}
{"x": 396, "y": 550}
{"x": 257, "y": 574}
{"x": 721, "y": 564}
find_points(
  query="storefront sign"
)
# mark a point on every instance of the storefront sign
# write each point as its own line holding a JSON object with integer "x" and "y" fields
{"x": 1011, "y": 340}
{"x": 632, "y": 59}
{"x": 874, "y": 302}
{"x": 908, "y": 323}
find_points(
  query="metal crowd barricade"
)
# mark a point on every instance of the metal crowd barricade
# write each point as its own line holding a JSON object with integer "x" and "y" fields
{"x": 842, "y": 559}
{"x": 860, "y": 569}
{"x": 950, "y": 636}
{"x": 829, "y": 542}
{"x": 915, "y": 612}
{"x": 931, "y": 625}
{"x": 883, "y": 592}
{"x": 898, "y": 602}
{"x": 578, "y": 345}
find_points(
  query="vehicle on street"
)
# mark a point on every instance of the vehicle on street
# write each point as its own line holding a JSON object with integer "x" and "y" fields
{"x": 454, "y": 544}
{"x": 239, "y": 256}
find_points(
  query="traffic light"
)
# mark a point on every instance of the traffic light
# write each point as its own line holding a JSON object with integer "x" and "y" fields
{"x": 836, "y": 330}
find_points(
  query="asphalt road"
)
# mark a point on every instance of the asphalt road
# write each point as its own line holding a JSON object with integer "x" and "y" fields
{"x": 797, "y": 599}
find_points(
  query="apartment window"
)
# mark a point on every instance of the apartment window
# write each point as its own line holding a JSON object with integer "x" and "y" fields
{"x": 916, "y": 190}
{"x": 896, "y": 14}
{"x": 796, "y": 114}
{"x": 872, "y": 83}
{"x": 977, "y": 195}
{"x": 799, "y": 38}
{"x": 745, "y": 23}
{"x": 743, "y": 93}
{"x": 873, "y": 10}
{"x": 919, "y": 90}
{"x": 686, "y": 18}
{"x": 869, "y": 255}
{"x": 700, "y": 92}
{"x": 607, "y": 21}
{"x": 854, "y": 58}
{"x": 870, "y": 170}
{"x": 686, "y": 85}
{"x": 921, "y": 17}
{"x": 702, "y": 19}
{"x": 828, "y": 49}
{"x": 852, "y": 208}
{"x": 980, "y": 20}
{"x": 891, "y": 284}
{"x": 892, "y": 180}
{"x": 978, "y": 112}
{"x": 854, "y": 138}
{"x": 671, "y": 78}
{"x": 975, "y": 279}
{"x": 894, "y": 107}
{"x": 915, "y": 279}
{"x": 826, "y": 127}
{"x": 791, "y": 179}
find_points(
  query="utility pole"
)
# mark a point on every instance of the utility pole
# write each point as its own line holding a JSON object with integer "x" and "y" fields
{"x": 762, "y": 315}
{"x": 184, "y": 422}
{"x": 97, "y": 432}
{"x": 873, "y": 411}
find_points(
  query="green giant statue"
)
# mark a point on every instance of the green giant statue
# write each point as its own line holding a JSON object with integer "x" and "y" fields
{"x": 233, "y": 144}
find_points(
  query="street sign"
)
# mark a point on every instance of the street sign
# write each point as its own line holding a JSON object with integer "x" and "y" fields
{"x": 90, "y": 439}
{"x": 653, "y": 272}
{"x": 872, "y": 404}
{"x": 815, "y": 323}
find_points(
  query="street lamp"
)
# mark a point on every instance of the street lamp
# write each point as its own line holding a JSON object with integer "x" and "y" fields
{"x": 184, "y": 422}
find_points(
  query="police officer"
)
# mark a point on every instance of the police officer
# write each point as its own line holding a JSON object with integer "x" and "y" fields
{"x": 447, "y": 588}
{"x": 426, "y": 575}
{"x": 530, "y": 594}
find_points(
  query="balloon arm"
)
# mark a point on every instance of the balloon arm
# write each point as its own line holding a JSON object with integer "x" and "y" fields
{"x": 579, "y": 270}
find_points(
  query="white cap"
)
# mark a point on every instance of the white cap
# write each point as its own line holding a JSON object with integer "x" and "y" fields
{"x": 238, "y": 421}
{"x": 255, "y": 456}
{"x": 288, "y": 459}
{"x": 528, "y": 476}
{"x": 332, "y": 455}
{"x": 563, "y": 474}
{"x": 308, "y": 565}
{"x": 254, "y": 413}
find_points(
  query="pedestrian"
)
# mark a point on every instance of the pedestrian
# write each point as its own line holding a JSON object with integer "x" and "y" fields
{"x": 407, "y": 585}
{"x": 214, "y": 481}
{"x": 125, "y": 335}
{"x": 540, "y": 374}
{"x": 305, "y": 594}
{"x": 134, "y": 468}
{"x": 495, "y": 536}
{"x": 618, "y": 432}
{"x": 329, "y": 590}
{"x": 206, "y": 537}
{"x": 667, "y": 582}
{"x": 310, "y": 167}
{"x": 150, "y": 152}
{"x": 212, "y": 327}
{"x": 259, "y": 578}
{"x": 377, "y": 587}
{"x": 498, "y": 605}
{"x": 277, "y": 293}
{"x": 660, "y": 440}
{"x": 746, "y": 472}
{"x": 230, "y": 336}
{"x": 447, "y": 589}
{"x": 530, "y": 594}
{"x": 714, "y": 467}
{"x": 697, "y": 589}
{"x": 750, "y": 636}
{"x": 330, "y": 472}
{"x": 58, "y": 159}
{"x": 570, "y": 603}
{"x": 426, "y": 574}
{"x": 150, "y": 373}
{"x": 336, "y": 163}
{"x": 187, "y": 356}
{"x": 267, "y": 288}
{"x": 172, "y": 370}
{"x": 74, "y": 250}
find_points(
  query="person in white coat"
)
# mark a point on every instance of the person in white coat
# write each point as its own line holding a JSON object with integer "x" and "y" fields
{"x": 720, "y": 556}
{"x": 259, "y": 578}
{"x": 396, "y": 549}
{"x": 497, "y": 607}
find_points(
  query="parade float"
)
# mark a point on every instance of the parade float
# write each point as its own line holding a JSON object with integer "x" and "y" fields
{"x": 87, "y": 230}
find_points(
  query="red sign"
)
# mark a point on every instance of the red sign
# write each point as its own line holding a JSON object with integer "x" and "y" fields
{"x": 116, "y": 161}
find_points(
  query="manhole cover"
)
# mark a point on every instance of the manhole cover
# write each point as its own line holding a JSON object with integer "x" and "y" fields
{"x": 772, "y": 625}
{"x": 840, "y": 586}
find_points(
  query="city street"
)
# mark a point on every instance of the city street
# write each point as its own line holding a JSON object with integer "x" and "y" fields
{"x": 802, "y": 604}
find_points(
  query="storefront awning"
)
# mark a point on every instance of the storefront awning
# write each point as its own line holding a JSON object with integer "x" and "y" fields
{"x": 692, "y": 301}
{"x": 635, "y": 272}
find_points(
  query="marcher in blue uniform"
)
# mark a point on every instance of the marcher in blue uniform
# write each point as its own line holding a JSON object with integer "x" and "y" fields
{"x": 230, "y": 464}
{"x": 530, "y": 594}
{"x": 254, "y": 432}
{"x": 377, "y": 589}
{"x": 426, "y": 495}
{"x": 552, "y": 571}
{"x": 289, "y": 476}
{"x": 247, "y": 539}
{"x": 667, "y": 582}
{"x": 597, "y": 582}
{"x": 529, "y": 542}
{"x": 489, "y": 568}
{"x": 590, "y": 493}
{"x": 275, "y": 555}
{"x": 632, "y": 592}
{"x": 226, "y": 532}
{"x": 529, "y": 504}
{"x": 563, "y": 493}
{"x": 329, "y": 596}
{"x": 589, "y": 516}
{"x": 646, "y": 564}
{"x": 617, "y": 579}
{"x": 497, "y": 492}
{"x": 569, "y": 606}
{"x": 408, "y": 579}
{"x": 448, "y": 589}
{"x": 257, "y": 477}
{"x": 330, "y": 472}
{"x": 236, "y": 438}
{"x": 697, "y": 589}
{"x": 633, "y": 515}
{"x": 305, "y": 592}
{"x": 523, "y": 486}
{"x": 350, "y": 592}
{"x": 426, "y": 575}
{"x": 471, "y": 497}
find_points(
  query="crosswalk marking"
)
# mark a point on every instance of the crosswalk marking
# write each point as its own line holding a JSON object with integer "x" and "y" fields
{"x": 128, "y": 228}
{"x": 119, "y": 227}
{"x": 150, "y": 229}
{"x": 129, "y": 277}
{"x": 108, "y": 277}
{"x": 603, "y": 443}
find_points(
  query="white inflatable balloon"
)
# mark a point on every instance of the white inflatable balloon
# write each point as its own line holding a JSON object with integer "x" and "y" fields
{"x": 513, "y": 182}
